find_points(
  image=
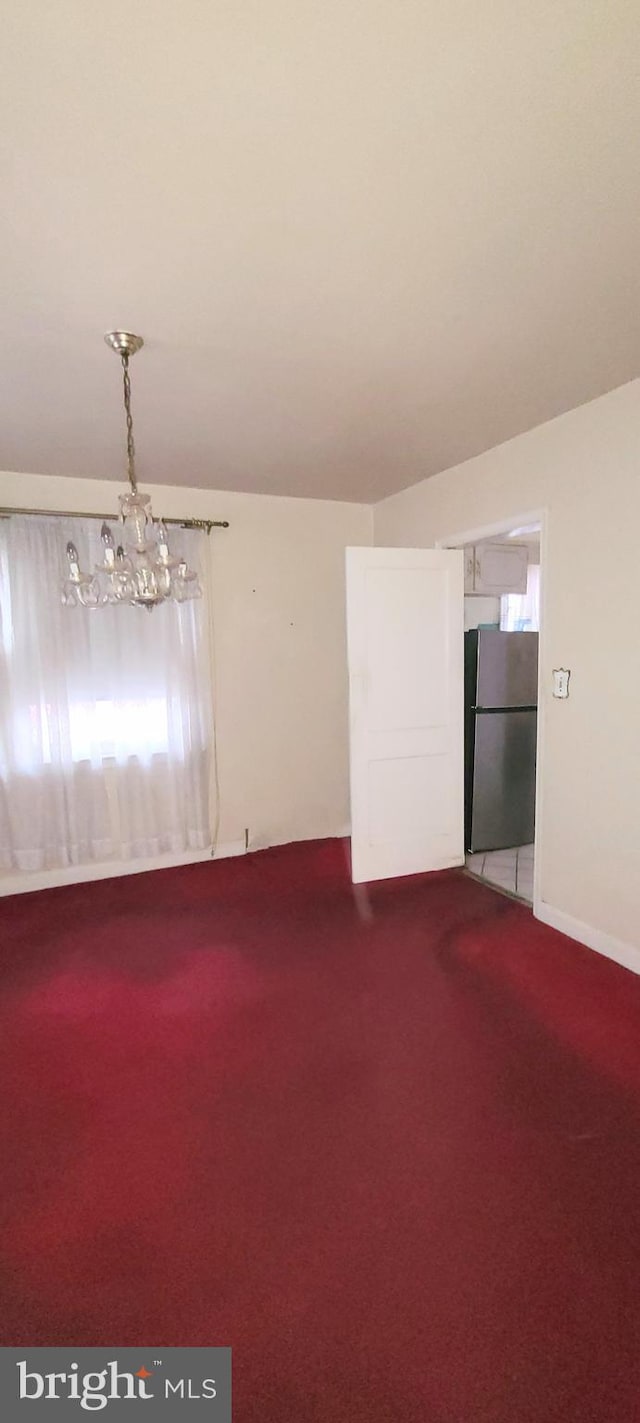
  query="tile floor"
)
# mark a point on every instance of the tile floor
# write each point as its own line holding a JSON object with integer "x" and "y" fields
{"x": 507, "y": 869}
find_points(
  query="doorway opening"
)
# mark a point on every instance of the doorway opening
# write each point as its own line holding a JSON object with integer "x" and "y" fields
{"x": 502, "y": 623}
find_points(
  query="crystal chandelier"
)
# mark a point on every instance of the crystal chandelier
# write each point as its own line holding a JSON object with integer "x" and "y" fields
{"x": 140, "y": 570}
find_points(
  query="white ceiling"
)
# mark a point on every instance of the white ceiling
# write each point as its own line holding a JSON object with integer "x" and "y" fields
{"x": 364, "y": 239}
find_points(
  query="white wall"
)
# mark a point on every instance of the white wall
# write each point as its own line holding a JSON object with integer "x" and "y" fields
{"x": 584, "y": 468}
{"x": 281, "y": 701}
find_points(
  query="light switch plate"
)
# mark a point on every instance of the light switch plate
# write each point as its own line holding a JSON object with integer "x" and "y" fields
{"x": 561, "y": 682}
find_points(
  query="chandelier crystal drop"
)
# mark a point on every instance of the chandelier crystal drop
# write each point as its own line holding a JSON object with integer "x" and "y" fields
{"x": 140, "y": 569}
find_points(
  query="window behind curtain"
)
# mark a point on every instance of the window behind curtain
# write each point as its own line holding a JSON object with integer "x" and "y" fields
{"x": 520, "y": 612}
{"x": 105, "y": 718}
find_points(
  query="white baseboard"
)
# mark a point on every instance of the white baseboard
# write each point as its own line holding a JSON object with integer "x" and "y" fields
{"x": 625, "y": 954}
{"x": 276, "y": 838}
{"x": 24, "y": 883}
{"x": 17, "y": 882}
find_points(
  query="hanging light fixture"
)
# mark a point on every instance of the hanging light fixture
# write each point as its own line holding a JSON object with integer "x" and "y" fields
{"x": 140, "y": 570}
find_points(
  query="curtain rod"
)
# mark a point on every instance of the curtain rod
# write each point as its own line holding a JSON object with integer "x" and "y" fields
{"x": 208, "y": 524}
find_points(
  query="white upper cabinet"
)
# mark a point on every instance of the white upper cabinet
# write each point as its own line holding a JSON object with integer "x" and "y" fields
{"x": 496, "y": 568}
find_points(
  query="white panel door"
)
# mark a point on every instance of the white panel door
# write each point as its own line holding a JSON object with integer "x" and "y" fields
{"x": 405, "y": 648}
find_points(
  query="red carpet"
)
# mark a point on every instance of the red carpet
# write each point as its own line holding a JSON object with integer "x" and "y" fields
{"x": 389, "y": 1150}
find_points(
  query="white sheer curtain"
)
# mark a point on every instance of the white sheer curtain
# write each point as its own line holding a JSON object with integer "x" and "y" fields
{"x": 520, "y": 612}
{"x": 105, "y": 716}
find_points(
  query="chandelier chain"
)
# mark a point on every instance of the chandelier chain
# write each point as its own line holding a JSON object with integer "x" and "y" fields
{"x": 131, "y": 449}
{"x": 142, "y": 571}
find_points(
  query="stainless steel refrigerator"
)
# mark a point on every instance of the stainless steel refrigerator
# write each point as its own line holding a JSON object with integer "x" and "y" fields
{"x": 501, "y": 695}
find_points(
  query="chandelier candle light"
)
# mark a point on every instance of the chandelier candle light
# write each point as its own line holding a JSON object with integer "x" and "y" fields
{"x": 141, "y": 570}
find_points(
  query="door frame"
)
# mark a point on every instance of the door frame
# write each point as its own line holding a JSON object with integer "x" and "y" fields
{"x": 487, "y": 531}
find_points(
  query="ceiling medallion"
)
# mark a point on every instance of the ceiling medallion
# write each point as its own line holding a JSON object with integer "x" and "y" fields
{"x": 140, "y": 570}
